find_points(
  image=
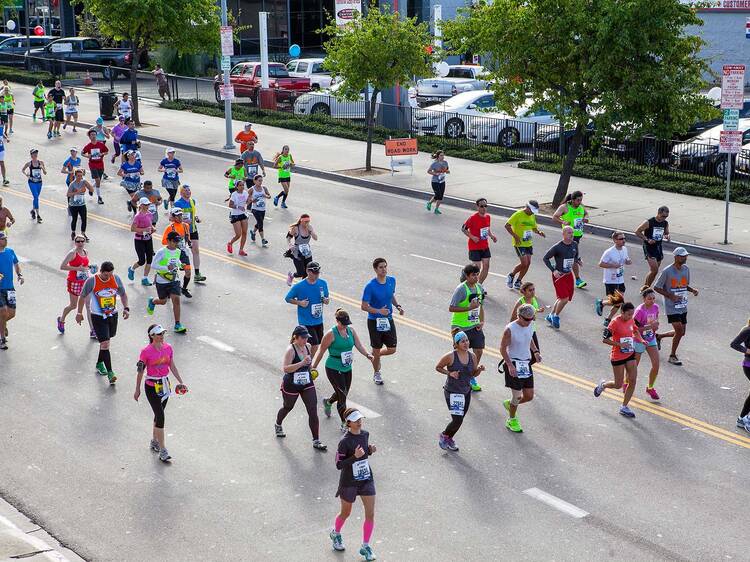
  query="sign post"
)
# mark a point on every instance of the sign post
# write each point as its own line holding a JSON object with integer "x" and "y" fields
{"x": 227, "y": 50}
{"x": 730, "y": 139}
{"x": 401, "y": 151}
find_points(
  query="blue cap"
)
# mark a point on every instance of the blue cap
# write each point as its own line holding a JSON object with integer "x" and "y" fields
{"x": 459, "y": 336}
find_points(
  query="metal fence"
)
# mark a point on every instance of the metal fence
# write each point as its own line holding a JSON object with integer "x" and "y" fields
{"x": 522, "y": 139}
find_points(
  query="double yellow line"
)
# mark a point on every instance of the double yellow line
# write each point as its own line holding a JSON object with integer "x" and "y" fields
{"x": 656, "y": 409}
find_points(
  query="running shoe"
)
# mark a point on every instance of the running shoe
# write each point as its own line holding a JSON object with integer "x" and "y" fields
{"x": 283, "y": 205}
{"x": 513, "y": 425}
{"x": 101, "y": 369}
{"x": 319, "y": 446}
{"x": 242, "y": 253}
{"x": 229, "y": 248}
{"x": 92, "y": 334}
{"x": 338, "y": 543}
{"x": 580, "y": 283}
{"x": 627, "y": 412}
{"x": 289, "y": 278}
{"x": 150, "y": 306}
{"x": 33, "y": 214}
{"x": 112, "y": 377}
{"x": 145, "y": 282}
{"x": 199, "y": 278}
{"x": 252, "y": 235}
{"x": 166, "y": 204}
{"x": 327, "y": 407}
{"x": 674, "y": 361}
{"x": 264, "y": 243}
{"x": 438, "y": 212}
{"x": 276, "y": 201}
{"x": 452, "y": 445}
{"x": 556, "y": 322}
{"x": 86, "y": 238}
{"x": 6, "y": 182}
{"x": 475, "y": 385}
{"x": 100, "y": 200}
{"x": 443, "y": 441}
{"x": 606, "y": 322}
{"x": 599, "y": 307}
{"x": 506, "y": 405}
{"x": 60, "y": 325}
{"x": 548, "y": 318}
{"x": 279, "y": 430}
{"x": 367, "y": 552}
{"x": 517, "y": 285}
{"x": 746, "y": 423}
{"x": 652, "y": 393}
{"x": 377, "y": 378}
{"x": 179, "y": 328}
{"x": 741, "y": 422}
{"x": 428, "y": 206}
{"x": 509, "y": 280}
{"x": 38, "y": 218}
{"x": 164, "y": 456}
{"x": 154, "y": 446}
{"x": 599, "y": 388}
{"x": 131, "y": 274}
{"x": 185, "y": 293}
{"x": 3, "y": 344}
{"x": 49, "y": 135}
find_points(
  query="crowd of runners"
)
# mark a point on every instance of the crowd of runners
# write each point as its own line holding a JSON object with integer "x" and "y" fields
{"x": 630, "y": 328}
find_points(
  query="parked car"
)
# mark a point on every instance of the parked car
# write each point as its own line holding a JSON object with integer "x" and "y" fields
{"x": 326, "y": 103}
{"x": 246, "y": 79}
{"x": 742, "y": 162}
{"x": 452, "y": 117}
{"x": 645, "y": 149}
{"x": 701, "y": 126}
{"x": 460, "y": 78}
{"x": 507, "y": 130}
{"x": 13, "y": 50}
{"x": 320, "y": 78}
{"x": 548, "y": 139}
{"x": 701, "y": 154}
{"x": 53, "y": 57}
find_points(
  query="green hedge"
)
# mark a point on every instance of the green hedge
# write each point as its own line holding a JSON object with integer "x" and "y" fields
{"x": 630, "y": 174}
{"x": 25, "y": 77}
{"x": 325, "y": 125}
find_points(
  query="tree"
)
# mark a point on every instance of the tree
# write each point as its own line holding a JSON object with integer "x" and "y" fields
{"x": 611, "y": 63}
{"x": 378, "y": 50}
{"x": 187, "y": 25}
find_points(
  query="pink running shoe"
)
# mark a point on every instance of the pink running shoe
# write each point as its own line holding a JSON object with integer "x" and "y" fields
{"x": 229, "y": 248}
{"x": 652, "y": 393}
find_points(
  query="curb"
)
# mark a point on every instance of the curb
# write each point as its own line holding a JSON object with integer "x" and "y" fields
{"x": 499, "y": 210}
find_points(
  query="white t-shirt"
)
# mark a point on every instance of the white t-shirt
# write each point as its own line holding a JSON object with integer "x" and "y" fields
{"x": 240, "y": 203}
{"x": 615, "y": 276}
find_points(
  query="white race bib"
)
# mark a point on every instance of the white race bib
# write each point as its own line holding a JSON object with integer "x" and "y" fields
{"x": 474, "y": 315}
{"x": 187, "y": 216}
{"x": 683, "y": 302}
{"x": 457, "y": 404}
{"x": 577, "y": 224}
{"x": 304, "y": 250}
{"x": 526, "y": 235}
{"x": 302, "y": 377}
{"x": 567, "y": 264}
{"x": 522, "y": 369}
{"x": 11, "y": 297}
{"x": 361, "y": 470}
{"x": 95, "y": 153}
{"x": 382, "y": 324}
{"x": 484, "y": 233}
{"x": 657, "y": 233}
{"x": 648, "y": 334}
{"x": 316, "y": 310}
{"x": 82, "y": 275}
{"x": 347, "y": 358}
{"x": 152, "y": 208}
{"x": 620, "y": 272}
{"x": 171, "y": 173}
{"x": 626, "y": 345}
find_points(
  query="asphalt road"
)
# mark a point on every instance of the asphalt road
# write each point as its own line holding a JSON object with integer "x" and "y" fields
{"x": 668, "y": 485}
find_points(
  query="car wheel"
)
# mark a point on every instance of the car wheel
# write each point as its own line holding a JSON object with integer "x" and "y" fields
{"x": 315, "y": 87}
{"x": 320, "y": 109}
{"x": 218, "y": 95}
{"x": 721, "y": 168}
{"x": 454, "y": 129}
{"x": 650, "y": 155}
{"x": 508, "y": 137}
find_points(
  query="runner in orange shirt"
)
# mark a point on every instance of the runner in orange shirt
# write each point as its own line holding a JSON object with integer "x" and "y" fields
{"x": 245, "y": 136}
{"x": 183, "y": 229}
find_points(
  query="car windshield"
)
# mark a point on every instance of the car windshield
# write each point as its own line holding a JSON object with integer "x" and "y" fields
{"x": 275, "y": 72}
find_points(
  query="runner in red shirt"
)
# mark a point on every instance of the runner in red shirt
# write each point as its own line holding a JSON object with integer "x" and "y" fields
{"x": 621, "y": 335}
{"x": 95, "y": 151}
{"x": 477, "y": 230}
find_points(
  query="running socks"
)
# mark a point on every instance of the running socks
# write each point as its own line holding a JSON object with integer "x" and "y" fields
{"x": 185, "y": 281}
{"x": 106, "y": 358}
{"x": 338, "y": 524}
{"x": 367, "y": 528}
{"x": 282, "y": 196}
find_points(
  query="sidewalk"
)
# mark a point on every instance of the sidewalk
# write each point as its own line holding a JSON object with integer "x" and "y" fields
{"x": 693, "y": 220}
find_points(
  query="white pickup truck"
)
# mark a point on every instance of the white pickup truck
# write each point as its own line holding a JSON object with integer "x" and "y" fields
{"x": 320, "y": 78}
{"x": 460, "y": 78}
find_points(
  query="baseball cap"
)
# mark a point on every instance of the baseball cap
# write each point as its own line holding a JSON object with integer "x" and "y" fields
{"x": 72, "y": 148}
{"x": 176, "y": 212}
{"x": 239, "y": 161}
{"x": 354, "y": 416}
{"x": 144, "y": 201}
{"x": 313, "y": 266}
{"x": 99, "y": 121}
{"x": 680, "y": 251}
{"x": 156, "y": 330}
{"x": 34, "y": 150}
{"x": 248, "y": 125}
{"x": 343, "y": 317}
{"x": 121, "y": 118}
{"x": 459, "y": 336}
{"x": 174, "y": 236}
{"x": 170, "y": 149}
{"x": 533, "y": 205}
{"x": 301, "y": 331}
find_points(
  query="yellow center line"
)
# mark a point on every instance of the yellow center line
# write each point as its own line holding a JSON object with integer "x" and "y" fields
{"x": 573, "y": 380}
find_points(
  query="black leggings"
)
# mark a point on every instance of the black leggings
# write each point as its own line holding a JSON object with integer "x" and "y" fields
{"x": 310, "y": 399}
{"x": 144, "y": 249}
{"x": 156, "y": 405}
{"x": 452, "y": 428}
{"x": 341, "y": 382}
{"x": 259, "y": 216}
{"x": 75, "y": 212}
{"x": 300, "y": 264}
{"x": 746, "y": 407}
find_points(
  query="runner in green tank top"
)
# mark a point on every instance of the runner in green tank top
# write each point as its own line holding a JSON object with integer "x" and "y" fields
{"x": 572, "y": 213}
{"x": 284, "y": 162}
{"x": 236, "y": 172}
{"x": 468, "y": 313}
{"x": 339, "y": 342}
{"x": 39, "y": 95}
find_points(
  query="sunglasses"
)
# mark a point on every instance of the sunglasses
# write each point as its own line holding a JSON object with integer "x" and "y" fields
{"x": 80, "y": 241}
{"x": 623, "y": 238}
{"x": 314, "y": 270}
{"x": 482, "y": 206}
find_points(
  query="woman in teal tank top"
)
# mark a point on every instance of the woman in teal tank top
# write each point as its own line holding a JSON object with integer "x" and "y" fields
{"x": 339, "y": 341}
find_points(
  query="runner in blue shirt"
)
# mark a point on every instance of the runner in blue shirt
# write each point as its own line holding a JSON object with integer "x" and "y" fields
{"x": 129, "y": 139}
{"x": 131, "y": 171}
{"x": 378, "y": 300}
{"x": 309, "y": 296}
{"x": 69, "y": 166}
{"x": 8, "y": 262}
{"x": 172, "y": 169}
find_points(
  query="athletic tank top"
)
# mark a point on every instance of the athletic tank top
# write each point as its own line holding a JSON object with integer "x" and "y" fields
{"x": 35, "y": 172}
{"x": 465, "y": 372}
{"x": 302, "y": 244}
{"x": 300, "y": 378}
{"x": 520, "y": 341}
{"x": 340, "y": 355}
{"x": 655, "y": 230}
{"x": 77, "y": 261}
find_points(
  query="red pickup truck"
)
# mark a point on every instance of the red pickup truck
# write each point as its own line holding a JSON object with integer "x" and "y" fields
{"x": 246, "y": 79}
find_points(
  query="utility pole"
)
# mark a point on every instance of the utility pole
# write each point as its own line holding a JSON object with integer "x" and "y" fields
{"x": 229, "y": 145}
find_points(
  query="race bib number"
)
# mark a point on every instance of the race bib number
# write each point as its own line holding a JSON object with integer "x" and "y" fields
{"x": 171, "y": 173}
{"x": 316, "y": 310}
{"x": 187, "y": 216}
{"x": 361, "y": 470}
{"x": 152, "y": 208}
{"x": 301, "y": 378}
{"x": 484, "y": 233}
{"x": 58, "y": 106}
{"x": 440, "y": 178}
{"x": 163, "y": 388}
{"x": 457, "y": 404}
{"x": 567, "y": 264}
{"x": 107, "y": 304}
{"x": 182, "y": 244}
{"x": 77, "y": 200}
{"x": 36, "y": 173}
{"x": 11, "y": 298}
{"x": 657, "y": 234}
{"x": 260, "y": 204}
{"x": 382, "y": 324}
{"x": 305, "y": 251}
{"x": 626, "y": 345}
{"x": 620, "y": 272}
{"x": 526, "y": 236}
{"x": 682, "y": 303}
{"x": 522, "y": 369}
{"x": 474, "y": 315}
{"x": 577, "y": 224}
{"x": 648, "y": 334}
{"x": 347, "y": 358}
{"x": 96, "y": 154}
{"x": 82, "y": 275}
{"x": 252, "y": 169}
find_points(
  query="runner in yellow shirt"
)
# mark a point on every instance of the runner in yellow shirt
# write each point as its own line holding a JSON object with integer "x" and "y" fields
{"x": 521, "y": 225}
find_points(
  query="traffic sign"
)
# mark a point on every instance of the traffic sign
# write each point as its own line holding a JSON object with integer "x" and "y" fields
{"x": 227, "y": 40}
{"x": 226, "y": 63}
{"x": 731, "y": 119}
{"x": 730, "y": 142}
{"x": 732, "y": 86}
{"x": 226, "y": 91}
{"x": 747, "y": 28}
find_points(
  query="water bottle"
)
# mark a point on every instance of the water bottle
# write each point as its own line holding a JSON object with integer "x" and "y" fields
{"x": 322, "y": 295}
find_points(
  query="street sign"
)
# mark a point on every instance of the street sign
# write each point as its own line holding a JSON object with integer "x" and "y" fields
{"x": 227, "y": 40}
{"x": 344, "y": 10}
{"x": 730, "y": 142}
{"x": 61, "y": 47}
{"x": 400, "y": 147}
{"x": 747, "y": 28}
{"x": 226, "y": 63}
{"x": 732, "y": 86}
{"x": 731, "y": 119}
{"x": 226, "y": 91}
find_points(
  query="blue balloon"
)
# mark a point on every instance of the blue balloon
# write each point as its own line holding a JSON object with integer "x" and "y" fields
{"x": 294, "y": 50}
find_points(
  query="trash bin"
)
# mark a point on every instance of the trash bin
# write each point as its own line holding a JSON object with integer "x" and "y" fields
{"x": 107, "y": 105}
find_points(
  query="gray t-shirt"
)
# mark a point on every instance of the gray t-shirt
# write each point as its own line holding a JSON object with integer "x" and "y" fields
{"x": 76, "y": 199}
{"x": 152, "y": 196}
{"x": 565, "y": 256}
{"x": 676, "y": 281}
{"x": 440, "y": 168}
{"x": 88, "y": 289}
{"x": 253, "y": 162}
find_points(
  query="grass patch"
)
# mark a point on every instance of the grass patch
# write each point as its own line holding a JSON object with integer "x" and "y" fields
{"x": 25, "y": 77}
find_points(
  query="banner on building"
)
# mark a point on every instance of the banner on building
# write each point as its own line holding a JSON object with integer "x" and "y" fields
{"x": 719, "y": 5}
{"x": 345, "y": 11}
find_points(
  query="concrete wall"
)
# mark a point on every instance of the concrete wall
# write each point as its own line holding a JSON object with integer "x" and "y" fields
{"x": 724, "y": 33}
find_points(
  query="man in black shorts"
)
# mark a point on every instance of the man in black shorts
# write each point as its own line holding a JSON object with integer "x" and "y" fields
{"x": 58, "y": 96}
{"x": 613, "y": 262}
{"x": 167, "y": 263}
{"x": 102, "y": 290}
{"x": 653, "y": 232}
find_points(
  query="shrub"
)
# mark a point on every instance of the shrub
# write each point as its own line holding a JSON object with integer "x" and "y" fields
{"x": 25, "y": 77}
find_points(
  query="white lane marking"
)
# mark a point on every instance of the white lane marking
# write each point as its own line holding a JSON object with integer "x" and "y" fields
{"x": 448, "y": 263}
{"x": 557, "y": 503}
{"x": 227, "y": 208}
{"x": 220, "y": 345}
{"x": 369, "y": 414}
